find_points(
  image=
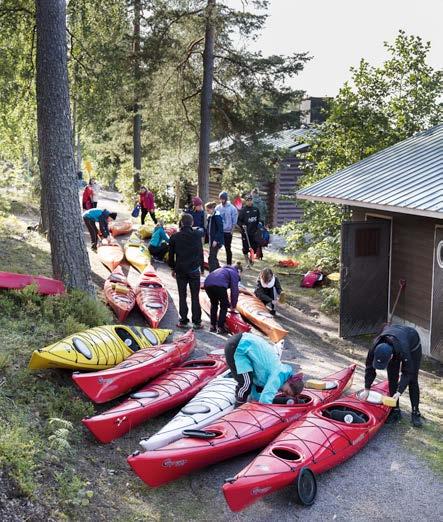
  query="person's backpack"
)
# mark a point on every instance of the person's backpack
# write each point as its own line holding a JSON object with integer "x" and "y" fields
{"x": 136, "y": 211}
{"x": 262, "y": 236}
{"x": 312, "y": 278}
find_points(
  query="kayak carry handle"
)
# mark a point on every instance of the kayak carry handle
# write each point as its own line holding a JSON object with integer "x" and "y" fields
{"x": 230, "y": 480}
{"x": 200, "y": 434}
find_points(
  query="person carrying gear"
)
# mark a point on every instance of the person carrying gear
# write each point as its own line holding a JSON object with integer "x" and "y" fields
{"x": 256, "y": 367}
{"x": 248, "y": 220}
{"x": 397, "y": 348}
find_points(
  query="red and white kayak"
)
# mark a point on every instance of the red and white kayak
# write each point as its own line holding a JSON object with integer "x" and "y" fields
{"x": 317, "y": 442}
{"x": 119, "y": 294}
{"x": 251, "y": 426}
{"x": 234, "y": 321}
{"x": 108, "y": 384}
{"x": 45, "y": 285}
{"x": 174, "y": 387}
{"x": 152, "y": 297}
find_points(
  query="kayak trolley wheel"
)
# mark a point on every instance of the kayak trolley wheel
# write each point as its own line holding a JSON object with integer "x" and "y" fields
{"x": 305, "y": 487}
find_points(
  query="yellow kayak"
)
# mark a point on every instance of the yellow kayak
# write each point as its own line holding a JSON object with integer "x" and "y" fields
{"x": 137, "y": 254}
{"x": 145, "y": 231}
{"x": 97, "y": 348}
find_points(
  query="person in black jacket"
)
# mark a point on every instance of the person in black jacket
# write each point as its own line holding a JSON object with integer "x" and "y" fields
{"x": 268, "y": 289}
{"x": 186, "y": 262}
{"x": 397, "y": 347}
{"x": 215, "y": 235}
{"x": 248, "y": 219}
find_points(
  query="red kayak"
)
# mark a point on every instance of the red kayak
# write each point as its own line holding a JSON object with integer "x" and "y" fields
{"x": 234, "y": 321}
{"x": 119, "y": 294}
{"x": 324, "y": 438}
{"x": 108, "y": 384}
{"x": 152, "y": 297}
{"x": 251, "y": 426}
{"x": 174, "y": 387}
{"x": 45, "y": 285}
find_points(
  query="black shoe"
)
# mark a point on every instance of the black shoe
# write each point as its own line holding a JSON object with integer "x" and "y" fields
{"x": 94, "y": 248}
{"x": 273, "y": 312}
{"x": 222, "y": 331}
{"x": 197, "y": 326}
{"x": 213, "y": 329}
{"x": 181, "y": 324}
{"x": 394, "y": 416}
{"x": 416, "y": 419}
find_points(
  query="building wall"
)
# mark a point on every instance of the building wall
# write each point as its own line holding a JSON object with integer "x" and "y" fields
{"x": 412, "y": 259}
{"x": 282, "y": 198}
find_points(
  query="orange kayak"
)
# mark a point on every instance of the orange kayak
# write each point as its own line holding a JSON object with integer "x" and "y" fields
{"x": 252, "y": 309}
{"x": 234, "y": 321}
{"x": 119, "y": 294}
{"x": 110, "y": 255}
{"x": 152, "y": 297}
{"x": 120, "y": 228}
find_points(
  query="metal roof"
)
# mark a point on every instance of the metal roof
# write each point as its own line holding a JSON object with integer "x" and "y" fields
{"x": 407, "y": 178}
{"x": 286, "y": 139}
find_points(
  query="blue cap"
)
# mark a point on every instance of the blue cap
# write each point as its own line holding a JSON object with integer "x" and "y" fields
{"x": 223, "y": 195}
{"x": 382, "y": 356}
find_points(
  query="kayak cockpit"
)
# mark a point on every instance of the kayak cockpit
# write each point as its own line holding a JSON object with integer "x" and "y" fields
{"x": 345, "y": 414}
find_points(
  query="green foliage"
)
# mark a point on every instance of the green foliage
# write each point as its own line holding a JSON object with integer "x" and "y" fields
{"x": 330, "y": 297}
{"x": 73, "y": 490}
{"x": 60, "y": 431}
{"x": 323, "y": 255}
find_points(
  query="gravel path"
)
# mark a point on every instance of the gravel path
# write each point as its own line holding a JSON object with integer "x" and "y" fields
{"x": 382, "y": 482}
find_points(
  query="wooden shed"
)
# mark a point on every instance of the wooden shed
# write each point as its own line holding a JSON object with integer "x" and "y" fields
{"x": 395, "y": 236}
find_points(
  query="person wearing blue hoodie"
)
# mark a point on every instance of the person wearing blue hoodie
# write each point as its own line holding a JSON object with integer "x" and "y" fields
{"x": 103, "y": 217}
{"x": 257, "y": 368}
{"x": 159, "y": 244}
{"x": 229, "y": 215}
{"x": 216, "y": 286}
{"x": 214, "y": 234}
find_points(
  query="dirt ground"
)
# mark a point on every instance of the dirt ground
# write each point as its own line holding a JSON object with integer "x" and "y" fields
{"x": 385, "y": 481}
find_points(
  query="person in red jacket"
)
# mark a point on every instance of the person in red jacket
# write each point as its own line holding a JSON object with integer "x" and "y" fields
{"x": 147, "y": 204}
{"x": 87, "y": 197}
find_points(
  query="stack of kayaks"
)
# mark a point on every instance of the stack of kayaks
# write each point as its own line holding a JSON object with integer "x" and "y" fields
{"x": 174, "y": 387}
{"x": 97, "y": 348}
{"x": 215, "y": 400}
{"x": 251, "y": 426}
{"x": 110, "y": 255}
{"x": 119, "y": 294}
{"x": 252, "y": 309}
{"x": 324, "y": 438}
{"x": 45, "y": 285}
{"x": 152, "y": 297}
{"x": 135, "y": 370}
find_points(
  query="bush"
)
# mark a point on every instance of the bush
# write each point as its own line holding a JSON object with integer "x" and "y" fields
{"x": 324, "y": 255}
{"x": 330, "y": 297}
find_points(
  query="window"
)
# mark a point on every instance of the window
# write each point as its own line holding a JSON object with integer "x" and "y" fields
{"x": 367, "y": 242}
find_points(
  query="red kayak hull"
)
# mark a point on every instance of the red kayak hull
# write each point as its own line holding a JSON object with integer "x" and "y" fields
{"x": 45, "y": 285}
{"x": 121, "y": 303}
{"x": 251, "y": 426}
{"x": 152, "y": 297}
{"x": 174, "y": 387}
{"x": 234, "y": 321}
{"x": 105, "y": 385}
{"x": 314, "y": 441}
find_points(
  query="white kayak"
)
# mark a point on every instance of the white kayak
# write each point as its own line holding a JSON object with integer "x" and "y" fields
{"x": 215, "y": 400}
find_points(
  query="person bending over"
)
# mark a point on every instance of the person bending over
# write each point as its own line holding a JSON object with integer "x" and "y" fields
{"x": 103, "y": 218}
{"x": 256, "y": 367}
{"x": 268, "y": 288}
{"x": 159, "y": 244}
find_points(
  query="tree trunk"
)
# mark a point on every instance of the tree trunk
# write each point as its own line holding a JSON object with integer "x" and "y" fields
{"x": 205, "y": 104}
{"x": 70, "y": 260}
{"x": 137, "y": 121}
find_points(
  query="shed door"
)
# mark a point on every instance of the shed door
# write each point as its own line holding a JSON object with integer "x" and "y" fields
{"x": 437, "y": 298}
{"x": 364, "y": 277}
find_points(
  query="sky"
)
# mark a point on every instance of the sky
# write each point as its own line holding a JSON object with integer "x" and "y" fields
{"x": 338, "y": 33}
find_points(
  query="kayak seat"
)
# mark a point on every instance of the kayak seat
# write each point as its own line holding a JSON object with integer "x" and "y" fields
{"x": 345, "y": 414}
{"x": 128, "y": 339}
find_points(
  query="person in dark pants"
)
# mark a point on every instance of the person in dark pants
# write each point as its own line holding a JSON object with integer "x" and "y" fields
{"x": 215, "y": 235}
{"x": 198, "y": 214}
{"x": 248, "y": 220}
{"x": 397, "y": 348}
{"x": 103, "y": 218}
{"x": 256, "y": 367}
{"x": 268, "y": 288}
{"x": 159, "y": 243}
{"x": 186, "y": 262}
{"x": 216, "y": 286}
{"x": 229, "y": 216}
{"x": 147, "y": 205}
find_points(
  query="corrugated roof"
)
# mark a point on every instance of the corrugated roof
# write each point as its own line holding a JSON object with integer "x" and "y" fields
{"x": 286, "y": 139}
{"x": 407, "y": 178}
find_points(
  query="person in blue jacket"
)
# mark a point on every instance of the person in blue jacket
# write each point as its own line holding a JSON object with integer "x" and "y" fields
{"x": 256, "y": 367}
{"x": 214, "y": 234}
{"x": 159, "y": 244}
{"x": 216, "y": 286}
{"x": 198, "y": 214}
{"x": 103, "y": 217}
